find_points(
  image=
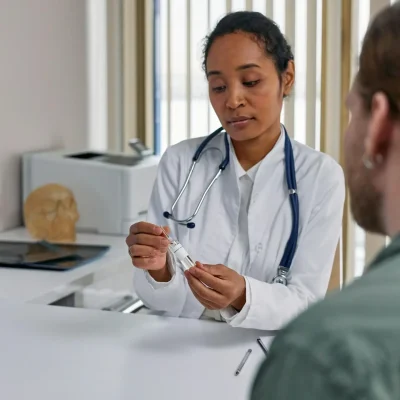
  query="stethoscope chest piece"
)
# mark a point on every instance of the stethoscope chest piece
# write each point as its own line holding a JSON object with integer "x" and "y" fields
{"x": 281, "y": 276}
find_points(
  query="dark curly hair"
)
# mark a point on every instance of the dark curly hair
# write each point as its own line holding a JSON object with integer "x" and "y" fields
{"x": 264, "y": 30}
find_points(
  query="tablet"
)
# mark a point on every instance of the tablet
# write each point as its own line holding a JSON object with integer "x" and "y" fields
{"x": 50, "y": 256}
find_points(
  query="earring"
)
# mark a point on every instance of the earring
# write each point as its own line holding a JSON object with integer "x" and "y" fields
{"x": 369, "y": 164}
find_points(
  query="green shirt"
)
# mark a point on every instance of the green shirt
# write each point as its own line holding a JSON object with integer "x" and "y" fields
{"x": 344, "y": 347}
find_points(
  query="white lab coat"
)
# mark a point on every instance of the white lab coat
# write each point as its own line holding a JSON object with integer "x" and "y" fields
{"x": 321, "y": 192}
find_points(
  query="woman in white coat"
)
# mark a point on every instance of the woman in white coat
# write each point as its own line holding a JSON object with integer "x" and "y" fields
{"x": 243, "y": 226}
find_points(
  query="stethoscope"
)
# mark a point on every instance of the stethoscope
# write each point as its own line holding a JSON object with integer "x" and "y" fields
{"x": 290, "y": 171}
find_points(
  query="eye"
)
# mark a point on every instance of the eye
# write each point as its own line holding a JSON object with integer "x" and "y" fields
{"x": 218, "y": 89}
{"x": 251, "y": 83}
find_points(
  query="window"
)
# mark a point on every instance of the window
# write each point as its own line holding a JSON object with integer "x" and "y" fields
{"x": 362, "y": 19}
{"x": 183, "y": 107}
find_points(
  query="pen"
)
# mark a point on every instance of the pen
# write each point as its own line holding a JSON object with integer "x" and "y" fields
{"x": 262, "y": 345}
{"x": 246, "y": 356}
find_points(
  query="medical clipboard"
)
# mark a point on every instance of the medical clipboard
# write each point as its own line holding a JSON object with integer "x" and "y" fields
{"x": 48, "y": 256}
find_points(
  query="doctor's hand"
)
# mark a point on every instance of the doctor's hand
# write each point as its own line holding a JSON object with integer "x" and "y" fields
{"x": 225, "y": 286}
{"x": 148, "y": 247}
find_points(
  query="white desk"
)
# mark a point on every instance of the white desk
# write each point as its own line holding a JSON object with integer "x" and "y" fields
{"x": 62, "y": 353}
{"x": 45, "y": 287}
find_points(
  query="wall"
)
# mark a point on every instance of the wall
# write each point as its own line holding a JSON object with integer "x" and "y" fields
{"x": 43, "y": 87}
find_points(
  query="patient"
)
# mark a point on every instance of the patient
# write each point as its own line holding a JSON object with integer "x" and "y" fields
{"x": 348, "y": 346}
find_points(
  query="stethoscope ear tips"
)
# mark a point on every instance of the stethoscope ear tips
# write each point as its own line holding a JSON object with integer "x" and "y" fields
{"x": 190, "y": 225}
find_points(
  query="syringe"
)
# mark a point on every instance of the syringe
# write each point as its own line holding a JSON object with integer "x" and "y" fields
{"x": 179, "y": 251}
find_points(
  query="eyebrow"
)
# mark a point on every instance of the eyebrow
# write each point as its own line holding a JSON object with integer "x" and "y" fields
{"x": 240, "y": 68}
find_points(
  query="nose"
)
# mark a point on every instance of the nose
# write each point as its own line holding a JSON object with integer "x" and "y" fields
{"x": 234, "y": 98}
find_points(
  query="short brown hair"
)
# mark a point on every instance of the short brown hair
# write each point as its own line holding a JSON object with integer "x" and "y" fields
{"x": 379, "y": 69}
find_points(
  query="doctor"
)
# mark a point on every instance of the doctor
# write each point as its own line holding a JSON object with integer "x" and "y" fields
{"x": 276, "y": 202}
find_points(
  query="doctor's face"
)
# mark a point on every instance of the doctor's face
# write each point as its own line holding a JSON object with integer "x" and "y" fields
{"x": 244, "y": 86}
{"x": 365, "y": 198}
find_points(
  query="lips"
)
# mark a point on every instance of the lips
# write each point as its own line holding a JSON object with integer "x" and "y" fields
{"x": 239, "y": 119}
{"x": 240, "y": 122}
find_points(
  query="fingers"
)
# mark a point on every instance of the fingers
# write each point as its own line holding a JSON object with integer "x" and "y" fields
{"x": 203, "y": 292}
{"x": 147, "y": 245}
{"x": 148, "y": 257}
{"x": 213, "y": 282}
{"x": 157, "y": 242}
{"x": 147, "y": 263}
{"x": 145, "y": 227}
{"x": 146, "y": 234}
{"x": 167, "y": 229}
{"x": 218, "y": 270}
{"x": 138, "y": 250}
{"x": 205, "y": 303}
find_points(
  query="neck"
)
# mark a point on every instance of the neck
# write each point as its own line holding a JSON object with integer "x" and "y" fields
{"x": 393, "y": 225}
{"x": 251, "y": 152}
{"x": 391, "y": 192}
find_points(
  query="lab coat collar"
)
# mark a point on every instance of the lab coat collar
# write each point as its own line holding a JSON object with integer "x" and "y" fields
{"x": 274, "y": 155}
{"x": 240, "y": 172}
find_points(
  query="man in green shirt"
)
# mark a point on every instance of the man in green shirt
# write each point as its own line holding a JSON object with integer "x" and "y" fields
{"x": 348, "y": 345}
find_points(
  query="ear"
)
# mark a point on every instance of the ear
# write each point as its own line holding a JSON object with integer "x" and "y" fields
{"x": 288, "y": 78}
{"x": 379, "y": 128}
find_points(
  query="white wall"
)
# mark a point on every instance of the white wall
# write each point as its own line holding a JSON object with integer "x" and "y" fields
{"x": 43, "y": 87}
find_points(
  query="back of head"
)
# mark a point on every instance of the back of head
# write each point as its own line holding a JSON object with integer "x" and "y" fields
{"x": 379, "y": 69}
{"x": 372, "y": 139}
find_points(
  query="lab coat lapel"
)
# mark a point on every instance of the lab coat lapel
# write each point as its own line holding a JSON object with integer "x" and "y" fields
{"x": 231, "y": 191}
{"x": 225, "y": 211}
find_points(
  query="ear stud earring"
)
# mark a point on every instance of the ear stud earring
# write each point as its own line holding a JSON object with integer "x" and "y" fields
{"x": 370, "y": 164}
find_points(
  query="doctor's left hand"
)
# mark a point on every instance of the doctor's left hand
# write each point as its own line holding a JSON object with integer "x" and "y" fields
{"x": 225, "y": 286}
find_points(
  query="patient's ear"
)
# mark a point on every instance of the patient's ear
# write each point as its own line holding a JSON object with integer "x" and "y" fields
{"x": 380, "y": 127}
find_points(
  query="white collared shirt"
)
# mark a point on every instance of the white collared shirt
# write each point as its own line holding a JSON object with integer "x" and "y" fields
{"x": 239, "y": 255}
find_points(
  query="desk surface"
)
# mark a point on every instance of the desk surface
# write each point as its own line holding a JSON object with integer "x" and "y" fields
{"x": 50, "y": 352}
{"x": 45, "y": 287}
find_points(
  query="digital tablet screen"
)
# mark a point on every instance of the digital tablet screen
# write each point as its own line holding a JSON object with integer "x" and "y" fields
{"x": 46, "y": 255}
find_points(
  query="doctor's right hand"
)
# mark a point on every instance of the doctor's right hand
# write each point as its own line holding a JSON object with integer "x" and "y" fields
{"x": 148, "y": 246}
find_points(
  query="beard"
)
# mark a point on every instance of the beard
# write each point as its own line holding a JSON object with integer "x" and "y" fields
{"x": 365, "y": 201}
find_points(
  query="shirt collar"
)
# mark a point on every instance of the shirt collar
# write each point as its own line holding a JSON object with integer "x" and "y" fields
{"x": 252, "y": 172}
{"x": 240, "y": 172}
